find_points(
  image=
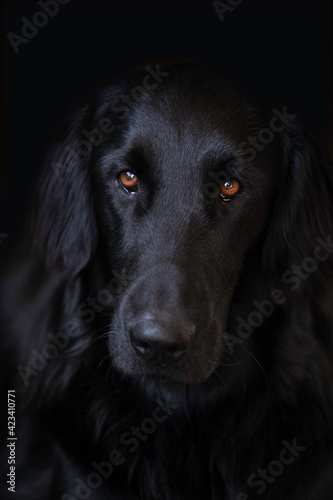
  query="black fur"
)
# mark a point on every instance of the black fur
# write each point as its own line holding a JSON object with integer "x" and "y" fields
{"x": 98, "y": 261}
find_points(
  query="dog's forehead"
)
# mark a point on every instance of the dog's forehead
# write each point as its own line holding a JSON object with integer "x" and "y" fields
{"x": 193, "y": 122}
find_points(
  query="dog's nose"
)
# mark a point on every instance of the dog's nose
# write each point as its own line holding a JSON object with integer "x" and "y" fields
{"x": 163, "y": 340}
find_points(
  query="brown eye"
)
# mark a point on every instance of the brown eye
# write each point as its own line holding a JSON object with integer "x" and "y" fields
{"x": 229, "y": 189}
{"x": 128, "y": 180}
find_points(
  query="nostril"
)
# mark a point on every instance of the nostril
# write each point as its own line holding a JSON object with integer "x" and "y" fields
{"x": 141, "y": 346}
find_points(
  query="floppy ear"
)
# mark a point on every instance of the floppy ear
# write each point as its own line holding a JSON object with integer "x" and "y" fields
{"x": 64, "y": 228}
{"x": 301, "y": 231}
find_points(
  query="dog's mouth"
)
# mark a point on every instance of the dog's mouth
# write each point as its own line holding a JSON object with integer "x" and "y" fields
{"x": 187, "y": 356}
{"x": 189, "y": 373}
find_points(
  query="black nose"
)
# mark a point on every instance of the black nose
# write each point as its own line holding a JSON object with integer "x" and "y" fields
{"x": 164, "y": 340}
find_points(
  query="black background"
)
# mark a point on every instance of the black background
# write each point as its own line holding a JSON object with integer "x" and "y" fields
{"x": 272, "y": 50}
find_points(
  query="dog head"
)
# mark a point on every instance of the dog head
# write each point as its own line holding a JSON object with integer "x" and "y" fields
{"x": 193, "y": 196}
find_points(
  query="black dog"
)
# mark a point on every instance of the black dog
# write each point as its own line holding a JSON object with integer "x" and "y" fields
{"x": 169, "y": 330}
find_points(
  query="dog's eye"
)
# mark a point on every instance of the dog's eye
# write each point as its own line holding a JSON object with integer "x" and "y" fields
{"x": 229, "y": 189}
{"x": 129, "y": 181}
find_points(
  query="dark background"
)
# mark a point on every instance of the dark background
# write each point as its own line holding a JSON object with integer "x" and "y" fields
{"x": 272, "y": 50}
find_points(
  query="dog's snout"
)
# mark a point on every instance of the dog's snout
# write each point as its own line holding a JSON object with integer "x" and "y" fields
{"x": 160, "y": 339}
